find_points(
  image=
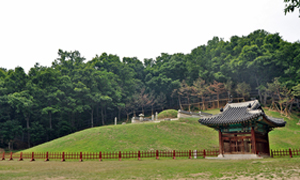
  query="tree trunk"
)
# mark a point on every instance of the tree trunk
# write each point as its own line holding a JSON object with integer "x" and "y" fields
{"x": 287, "y": 108}
{"x": 218, "y": 98}
{"x": 203, "y": 103}
{"x": 50, "y": 120}
{"x": 265, "y": 99}
{"x": 105, "y": 113}
{"x": 290, "y": 109}
{"x": 102, "y": 115}
{"x": 119, "y": 114}
{"x": 92, "y": 117}
{"x": 28, "y": 134}
{"x": 257, "y": 83}
{"x": 280, "y": 103}
{"x": 179, "y": 100}
{"x": 228, "y": 95}
{"x": 97, "y": 113}
{"x": 12, "y": 145}
{"x": 127, "y": 117}
{"x": 189, "y": 103}
{"x": 151, "y": 110}
{"x": 71, "y": 116}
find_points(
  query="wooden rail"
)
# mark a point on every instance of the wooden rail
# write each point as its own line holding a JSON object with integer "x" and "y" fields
{"x": 63, "y": 156}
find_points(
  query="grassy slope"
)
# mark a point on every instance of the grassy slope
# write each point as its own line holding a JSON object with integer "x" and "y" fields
{"x": 286, "y": 137}
{"x": 180, "y": 135}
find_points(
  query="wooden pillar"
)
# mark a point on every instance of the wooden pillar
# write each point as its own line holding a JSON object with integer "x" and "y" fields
{"x": 242, "y": 146}
{"x": 253, "y": 140}
{"x": 236, "y": 143}
{"x": 220, "y": 142}
{"x": 268, "y": 144}
{"x": 230, "y": 149}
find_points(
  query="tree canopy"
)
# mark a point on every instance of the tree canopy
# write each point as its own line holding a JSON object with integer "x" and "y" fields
{"x": 75, "y": 93}
{"x": 291, "y": 5}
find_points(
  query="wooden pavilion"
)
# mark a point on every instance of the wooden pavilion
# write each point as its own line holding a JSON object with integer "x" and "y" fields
{"x": 243, "y": 128}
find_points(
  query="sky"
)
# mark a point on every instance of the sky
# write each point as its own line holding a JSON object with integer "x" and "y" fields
{"x": 33, "y": 31}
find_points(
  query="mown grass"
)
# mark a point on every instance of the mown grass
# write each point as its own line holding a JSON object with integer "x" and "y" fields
{"x": 184, "y": 134}
{"x": 286, "y": 137}
{"x": 271, "y": 168}
{"x": 169, "y": 113}
{"x": 212, "y": 111}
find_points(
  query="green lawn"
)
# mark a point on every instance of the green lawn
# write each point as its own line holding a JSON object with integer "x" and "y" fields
{"x": 270, "y": 168}
{"x": 212, "y": 111}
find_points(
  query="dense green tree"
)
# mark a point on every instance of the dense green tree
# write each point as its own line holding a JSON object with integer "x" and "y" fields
{"x": 9, "y": 130}
{"x": 200, "y": 89}
{"x": 74, "y": 94}
{"x": 291, "y": 5}
{"x": 243, "y": 89}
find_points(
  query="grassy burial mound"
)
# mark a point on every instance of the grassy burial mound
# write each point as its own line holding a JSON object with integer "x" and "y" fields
{"x": 184, "y": 134}
{"x": 169, "y": 113}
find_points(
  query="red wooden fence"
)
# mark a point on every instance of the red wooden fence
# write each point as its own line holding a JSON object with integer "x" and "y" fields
{"x": 108, "y": 155}
{"x": 285, "y": 152}
{"x": 128, "y": 155}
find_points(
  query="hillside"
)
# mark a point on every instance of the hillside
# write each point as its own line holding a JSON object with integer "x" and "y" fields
{"x": 183, "y": 134}
{"x": 286, "y": 137}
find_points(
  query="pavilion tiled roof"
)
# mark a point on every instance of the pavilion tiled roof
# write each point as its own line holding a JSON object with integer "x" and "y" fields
{"x": 239, "y": 113}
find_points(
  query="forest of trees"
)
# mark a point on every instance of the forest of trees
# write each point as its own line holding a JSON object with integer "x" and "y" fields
{"x": 75, "y": 93}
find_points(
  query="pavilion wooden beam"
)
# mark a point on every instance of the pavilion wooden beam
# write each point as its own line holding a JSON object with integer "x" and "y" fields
{"x": 253, "y": 140}
{"x": 268, "y": 145}
{"x": 220, "y": 142}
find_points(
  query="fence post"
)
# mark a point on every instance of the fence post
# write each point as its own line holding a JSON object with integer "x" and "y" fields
{"x": 190, "y": 154}
{"x": 47, "y": 156}
{"x": 174, "y": 154}
{"x": 139, "y": 155}
{"x": 290, "y": 151}
{"x": 271, "y": 153}
{"x": 21, "y": 156}
{"x": 157, "y": 154}
{"x": 10, "y": 157}
{"x": 120, "y": 156}
{"x": 80, "y": 157}
{"x": 63, "y": 157}
{"x": 100, "y": 156}
{"x": 3, "y": 156}
{"x": 32, "y": 157}
{"x": 204, "y": 153}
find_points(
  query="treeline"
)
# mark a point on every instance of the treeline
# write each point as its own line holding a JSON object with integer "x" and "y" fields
{"x": 73, "y": 93}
